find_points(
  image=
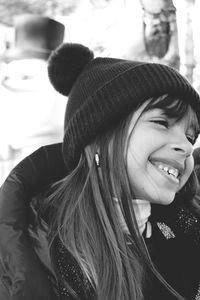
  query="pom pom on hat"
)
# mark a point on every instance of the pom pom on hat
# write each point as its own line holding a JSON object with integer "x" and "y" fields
{"x": 65, "y": 64}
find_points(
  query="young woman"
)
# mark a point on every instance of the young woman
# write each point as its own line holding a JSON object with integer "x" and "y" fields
{"x": 122, "y": 224}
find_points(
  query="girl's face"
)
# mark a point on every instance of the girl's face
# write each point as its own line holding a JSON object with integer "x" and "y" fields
{"x": 159, "y": 155}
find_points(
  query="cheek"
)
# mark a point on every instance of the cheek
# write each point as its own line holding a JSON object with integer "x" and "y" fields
{"x": 135, "y": 159}
{"x": 139, "y": 150}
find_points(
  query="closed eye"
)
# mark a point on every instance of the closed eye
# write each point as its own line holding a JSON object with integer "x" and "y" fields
{"x": 161, "y": 122}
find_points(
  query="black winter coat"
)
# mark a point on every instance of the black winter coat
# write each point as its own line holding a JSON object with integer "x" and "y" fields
{"x": 25, "y": 268}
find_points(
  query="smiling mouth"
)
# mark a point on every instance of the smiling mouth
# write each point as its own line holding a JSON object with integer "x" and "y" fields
{"x": 167, "y": 170}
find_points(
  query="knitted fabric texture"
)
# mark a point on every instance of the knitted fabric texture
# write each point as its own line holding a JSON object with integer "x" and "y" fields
{"x": 106, "y": 90}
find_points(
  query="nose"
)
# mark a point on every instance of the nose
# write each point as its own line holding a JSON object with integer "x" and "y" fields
{"x": 182, "y": 145}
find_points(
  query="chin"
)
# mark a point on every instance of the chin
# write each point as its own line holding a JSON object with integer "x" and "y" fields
{"x": 159, "y": 199}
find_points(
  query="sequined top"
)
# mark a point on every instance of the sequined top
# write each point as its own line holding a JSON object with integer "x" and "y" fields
{"x": 174, "y": 248}
{"x": 71, "y": 282}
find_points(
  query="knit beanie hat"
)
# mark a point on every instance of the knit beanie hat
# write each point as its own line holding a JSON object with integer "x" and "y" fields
{"x": 101, "y": 91}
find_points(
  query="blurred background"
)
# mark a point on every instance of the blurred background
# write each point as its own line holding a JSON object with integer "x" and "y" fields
{"x": 31, "y": 112}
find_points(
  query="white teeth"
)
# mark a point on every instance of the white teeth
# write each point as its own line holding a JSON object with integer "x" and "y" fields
{"x": 169, "y": 170}
{"x": 174, "y": 172}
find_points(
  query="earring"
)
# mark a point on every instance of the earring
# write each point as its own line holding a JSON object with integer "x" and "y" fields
{"x": 97, "y": 160}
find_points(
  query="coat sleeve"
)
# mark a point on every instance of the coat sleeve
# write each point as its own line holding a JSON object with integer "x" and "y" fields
{"x": 22, "y": 275}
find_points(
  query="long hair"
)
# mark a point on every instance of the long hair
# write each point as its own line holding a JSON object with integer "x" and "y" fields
{"x": 87, "y": 222}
